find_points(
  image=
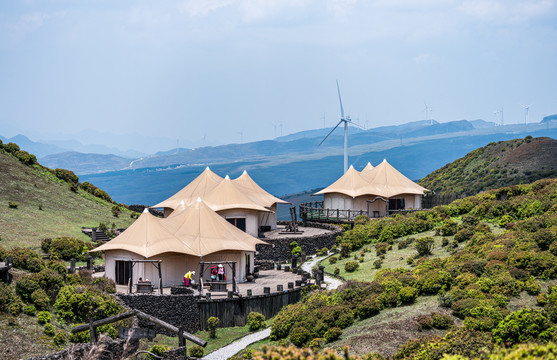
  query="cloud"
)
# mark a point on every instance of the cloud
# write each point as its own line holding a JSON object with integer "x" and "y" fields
{"x": 30, "y": 22}
{"x": 425, "y": 58}
{"x": 202, "y": 8}
{"x": 506, "y": 11}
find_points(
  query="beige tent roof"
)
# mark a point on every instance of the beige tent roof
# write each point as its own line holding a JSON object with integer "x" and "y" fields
{"x": 199, "y": 187}
{"x": 255, "y": 192}
{"x": 351, "y": 184}
{"x": 365, "y": 171}
{"x": 227, "y": 195}
{"x": 147, "y": 237}
{"x": 390, "y": 182}
{"x": 205, "y": 231}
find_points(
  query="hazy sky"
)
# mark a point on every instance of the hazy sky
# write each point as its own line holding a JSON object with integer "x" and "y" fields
{"x": 193, "y": 68}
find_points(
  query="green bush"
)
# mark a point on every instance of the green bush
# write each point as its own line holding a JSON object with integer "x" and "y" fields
{"x": 40, "y": 298}
{"x": 60, "y": 338}
{"x": 11, "y": 147}
{"x": 29, "y": 310}
{"x": 333, "y": 260}
{"x": 441, "y": 321}
{"x": 12, "y": 205}
{"x": 368, "y": 307}
{"x": 345, "y": 319}
{"x": 102, "y": 195}
{"x": 256, "y": 321}
{"x": 336, "y": 271}
{"x": 6, "y": 297}
{"x": 332, "y": 334}
{"x": 448, "y": 228}
{"x": 212, "y": 323}
{"x": 26, "y": 286}
{"x": 80, "y": 303}
{"x": 44, "y": 317}
{"x": 424, "y": 245}
{"x": 524, "y": 325}
{"x": 66, "y": 175}
{"x": 382, "y": 248}
{"x": 66, "y": 248}
{"x": 196, "y": 351}
{"x": 49, "y": 330}
{"x": 351, "y": 266}
{"x": 299, "y": 336}
{"x": 25, "y": 259}
{"x": 425, "y": 322}
{"x": 408, "y": 294}
{"x": 377, "y": 263}
{"x": 463, "y": 235}
{"x": 158, "y": 350}
{"x": 116, "y": 210}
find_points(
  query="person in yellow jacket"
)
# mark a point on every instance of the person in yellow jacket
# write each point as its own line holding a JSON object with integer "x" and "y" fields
{"x": 188, "y": 278}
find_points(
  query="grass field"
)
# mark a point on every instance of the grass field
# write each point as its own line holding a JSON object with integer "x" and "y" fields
{"x": 46, "y": 208}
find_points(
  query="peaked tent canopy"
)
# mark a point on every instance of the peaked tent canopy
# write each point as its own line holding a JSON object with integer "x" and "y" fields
{"x": 226, "y": 195}
{"x": 365, "y": 171}
{"x": 390, "y": 182}
{"x": 147, "y": 237}
{"x": 199, "y": 187}
{"x": 351, "y": 184}
{"x": 255, "y": 192}
{"x": 206, "y": 232}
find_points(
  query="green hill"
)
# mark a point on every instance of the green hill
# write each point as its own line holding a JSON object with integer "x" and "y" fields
{"x": 47, "y": 207}
{"x": 495, "y": 165}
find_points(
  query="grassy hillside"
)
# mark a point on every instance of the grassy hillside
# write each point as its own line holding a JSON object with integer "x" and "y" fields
{"x": 46, "y": 207}
{"x": 504, "y": 163}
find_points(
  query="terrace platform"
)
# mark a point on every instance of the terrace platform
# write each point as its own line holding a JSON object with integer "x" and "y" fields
{"x": 267, "y": 278}
{"x": 306, "y": 231}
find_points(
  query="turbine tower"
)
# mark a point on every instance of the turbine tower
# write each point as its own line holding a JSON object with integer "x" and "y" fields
{"x": 345, "y": 120}
{"x": 427, "y": 110}
{"x": 526, "y": 113}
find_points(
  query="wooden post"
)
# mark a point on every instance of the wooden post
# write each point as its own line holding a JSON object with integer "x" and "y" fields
{"x": 171, "y": 328}
{"x": 181, "y": 340}
{"x": 131, "y": 277}
{"x": 105, "y": 321}
{"x": 234, "y": 277}
{"x": 92, "y": 332}
{"x": 160, "y": 278}
{"x": 72, "y": 266}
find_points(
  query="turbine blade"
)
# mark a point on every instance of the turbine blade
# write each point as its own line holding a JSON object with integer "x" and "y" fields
{"x": 330, "y": 133}
{"x": 357, "y": 125}
{"x": 340, "y": 100}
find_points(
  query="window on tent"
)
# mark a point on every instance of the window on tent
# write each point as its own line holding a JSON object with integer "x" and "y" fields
{"x": 240, "y": 223}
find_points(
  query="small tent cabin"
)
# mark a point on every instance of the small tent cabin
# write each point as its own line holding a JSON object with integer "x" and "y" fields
{"x": 241, "y": 201}
{"x": 249, "y": 187}
{"x": 376, "y": 191}
{"x": 192, "y": 234}
{"x": 199, "y": 187}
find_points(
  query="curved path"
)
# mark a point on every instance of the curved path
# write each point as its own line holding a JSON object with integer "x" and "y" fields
{"x": 332, "y": 283}
{"x": 238, "y": 345}
{"x": 230, "y": 350}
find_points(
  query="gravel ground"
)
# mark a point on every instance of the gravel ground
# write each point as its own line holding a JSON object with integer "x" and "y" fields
{"x": 332, "y": 283}
{"x": 237, "y": 346}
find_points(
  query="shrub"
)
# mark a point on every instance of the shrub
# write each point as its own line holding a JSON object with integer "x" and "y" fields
{"x": 49, "y": 330}
{"x": 441, "y": 321}
{"x": 382, "y": 248}
{"x": 66, "y": 175}
{"x": 425, "y": 322}
{"x": 29, "y": 310}
{"x": 256, "y": 321}
{"x": 26, "y": 286}
{"x": 345, "y": 319}
{"x": 299, "y": 336}
{"x": 377, "y": 263}
{"x": 6, "y": 297}
{"x": 212, "y": 323}
{"x": 66, "y": 248}
{"x": 532, "y": 287}
{"x": 524, "y": 325}
{"x": 410, "y": 260}
{"x": 44, "y": 317}
{"x": 12, "y": 205}
{"x": 345, "y": 249}
{"x": 332, "y": 334}
{"x": 11, "y": 147}
{"x": 403, "y": 244}
{"x": 336, "y": 271}
{"x": 369, "y": 307}
{"x": 80, "y": 303}
{"x": 444, "y": 242}
{"x": 407, "y": 294}
{"x": 333, "y": 260}
{"x": 22, "y": 258}
{"x": 158, "y": 350}
{"x": 102, "y": 195}
{"x": 60, "y": 338}
{"x": 424, "y": 245}
{"x": 196, "y": 351}
{"x": 40, "y": 298}
{"x": 463, "y": 235}
{"x": 351, "y": 266}
{"x": 116, "y": 210}
{"x": 448, "y": 228}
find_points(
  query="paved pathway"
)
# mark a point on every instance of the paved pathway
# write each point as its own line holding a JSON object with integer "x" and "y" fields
{"x": 332, "y": 283}
{"x": 237, "y": 346}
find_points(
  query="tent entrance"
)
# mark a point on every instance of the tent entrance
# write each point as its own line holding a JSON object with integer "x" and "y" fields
{"x": 240, "y": 223}
{"x": 396, "y": 204}
{"x": 123, "y": 269}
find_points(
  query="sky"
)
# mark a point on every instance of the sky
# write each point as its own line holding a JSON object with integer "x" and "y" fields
{"x": 207, "y": 72}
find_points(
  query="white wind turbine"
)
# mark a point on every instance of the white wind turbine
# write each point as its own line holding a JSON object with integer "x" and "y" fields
{"x": 427, "y": 111}
{"x": 345, "y": 120}
{"x": 526, "y": 113}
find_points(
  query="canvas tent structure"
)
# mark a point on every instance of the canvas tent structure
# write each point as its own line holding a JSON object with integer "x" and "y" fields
{"x": 241, "y": 201}
{"x": 376, "y": 191}
{"x": 192, "y": 234}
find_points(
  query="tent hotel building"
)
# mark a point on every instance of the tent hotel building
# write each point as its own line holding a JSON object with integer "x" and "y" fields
{"x": 375, "y": 191}
{"x": 191, "y": 234}
{"x": 241, "y": 201}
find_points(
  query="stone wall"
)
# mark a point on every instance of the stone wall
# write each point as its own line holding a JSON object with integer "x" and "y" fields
{"x": 178, "y": 310}
{"x": 280, "y": 248}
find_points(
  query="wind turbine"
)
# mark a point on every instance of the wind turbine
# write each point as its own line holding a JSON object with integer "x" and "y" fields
{"x": 527, "y": 113}
{"x": 427, "y": 110}
{"x": 345, "y": 120}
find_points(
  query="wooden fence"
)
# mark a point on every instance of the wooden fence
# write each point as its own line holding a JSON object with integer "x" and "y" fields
{"x": 431, "y": 200}
{"x": 234, "y": 312}
{"x": 314, "y": 211}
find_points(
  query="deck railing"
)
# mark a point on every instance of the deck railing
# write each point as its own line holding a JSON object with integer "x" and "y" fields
{"x": 314, "y": 211}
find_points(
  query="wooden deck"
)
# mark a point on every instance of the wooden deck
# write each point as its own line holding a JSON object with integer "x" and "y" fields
{"x": 267, "y": 278}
